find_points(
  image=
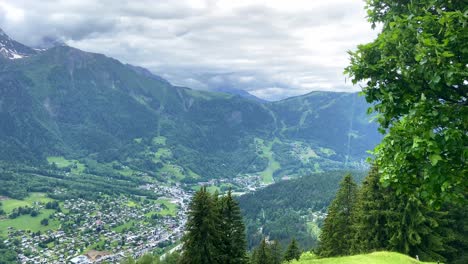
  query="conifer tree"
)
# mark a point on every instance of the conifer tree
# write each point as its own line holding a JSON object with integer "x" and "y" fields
{"x": 201, "y": 241}
{"x": 276, "y": 252}
{"x": 415, "y": 229}
{"x": 293, "y": 251}
{"x": 262, "y": 254}
{"x": 336, "y": 236}
{"x": 232, "y": 231}
{"x": 385, "y": 220}
{"x": 371, "y": 215}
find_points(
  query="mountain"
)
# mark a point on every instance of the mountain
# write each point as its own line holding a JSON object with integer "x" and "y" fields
{"x": 239, "y": 92}
{"x": 64, "y": 102}
{"x": 11, "y": 49}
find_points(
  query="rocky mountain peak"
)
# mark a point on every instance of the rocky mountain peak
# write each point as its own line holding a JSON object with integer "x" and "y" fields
{"x": 11, "y": 49}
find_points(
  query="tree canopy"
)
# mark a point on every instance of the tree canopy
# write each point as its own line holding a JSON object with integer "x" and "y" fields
{"x": 415, "y": 74}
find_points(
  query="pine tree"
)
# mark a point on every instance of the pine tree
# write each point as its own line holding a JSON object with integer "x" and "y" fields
{"x": 385, "y": 220}
{"x": 201, "y": 241}
{"x": 293, "y": 251}
{"x": 416, "y": 229}
{"x": 370, "y": 216}
{"x": 262, "y": 254}
{"x": 337, "y": 231}
{"x": 232, "y": 231}
{"x": 276, "y": 252}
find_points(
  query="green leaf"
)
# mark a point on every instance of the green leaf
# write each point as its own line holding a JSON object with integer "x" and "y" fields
{"x": 435, "y": 158}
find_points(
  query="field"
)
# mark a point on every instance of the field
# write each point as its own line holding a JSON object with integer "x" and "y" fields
{"x": 10, "y": 204}
{"x": 171, "y": 207}
{"x": 27, "y": 222}
{"x": 273, "y": 165}
{"x": 374, "y": 258}
{"x": 61, "y": 162}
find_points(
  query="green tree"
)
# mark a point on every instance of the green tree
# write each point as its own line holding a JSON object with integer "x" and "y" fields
{"x": 172, "y": 258}
{"x": 7, "y": 256}
{"x": 416, "y": 229}
{"x": 276, "y": 252}
{"x": 202, "y": 240}
{"x": 232, "y": 231}
{"x": 293, "y": 251}
{"x": 371, "y": 215}
{"x": 337, "y": 231}
{"x": 128, "y": 260}
{"x": 45, "y": 222}
{"x": 415, "y": 75}
{"x": 262, "y": 254}
{"x": 386, "y": 220}
{"x": 148, "y": 259}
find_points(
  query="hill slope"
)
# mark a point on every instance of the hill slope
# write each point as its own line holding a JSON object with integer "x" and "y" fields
{"x": 76, "y": 105}
{"x": 374, "y": 258}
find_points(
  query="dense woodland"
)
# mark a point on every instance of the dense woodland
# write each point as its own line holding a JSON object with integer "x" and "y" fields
{"x": 375, "y": 218}
{"x": 281, "y": 210}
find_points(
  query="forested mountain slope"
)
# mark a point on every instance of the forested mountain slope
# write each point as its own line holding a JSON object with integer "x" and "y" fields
{"x": 294, "y": 208}
{"x": 64, "y": 102}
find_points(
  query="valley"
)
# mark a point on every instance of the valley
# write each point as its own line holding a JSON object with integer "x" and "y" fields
{"x": 101, "y": 158}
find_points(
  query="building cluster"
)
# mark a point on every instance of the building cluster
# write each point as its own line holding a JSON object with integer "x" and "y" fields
{"x": 104, "y": 230}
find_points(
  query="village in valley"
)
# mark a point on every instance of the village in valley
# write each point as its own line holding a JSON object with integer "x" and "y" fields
{"x": 112, "y": 227}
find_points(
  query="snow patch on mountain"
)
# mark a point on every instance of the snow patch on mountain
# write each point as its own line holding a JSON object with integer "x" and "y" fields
{"x": 11, "y": 49}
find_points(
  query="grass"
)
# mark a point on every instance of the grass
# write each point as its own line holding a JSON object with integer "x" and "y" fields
{"x": 173, "y": 170}
{"x": 171, "y": 209}
{"x": 374, "y": 258}
{"x": 126, "y": 171}
{"x": 159, "y": 140}
{"x": 27, "y": 222}
{"x": 273, "y": 165}
{"x": 120, "y": 228}
{"x": 212, "y": 188}
{"x": 10, "y": 204}
{"x": 327, "y": 152}
{"x": 162, "y": 153}
{"x": 62, "y": 162}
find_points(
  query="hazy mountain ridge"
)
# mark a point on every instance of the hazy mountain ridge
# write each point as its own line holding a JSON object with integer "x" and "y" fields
{"x": 67, "y": 102}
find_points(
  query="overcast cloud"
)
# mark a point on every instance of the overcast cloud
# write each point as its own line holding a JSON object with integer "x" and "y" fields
{"x": 273, "y": 49}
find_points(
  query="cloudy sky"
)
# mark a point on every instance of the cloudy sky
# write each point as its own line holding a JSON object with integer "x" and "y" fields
{"x": 273, "y": 48}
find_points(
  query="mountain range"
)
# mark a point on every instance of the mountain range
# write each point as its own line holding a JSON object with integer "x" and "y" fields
{"x": 65, "y": 102}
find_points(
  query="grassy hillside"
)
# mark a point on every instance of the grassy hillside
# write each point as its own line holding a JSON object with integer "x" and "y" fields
{"x": 374, "y": 258}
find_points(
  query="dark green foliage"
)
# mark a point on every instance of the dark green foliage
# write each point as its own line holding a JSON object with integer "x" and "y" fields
{"x": 279, "y": 210}
{"x": 276, "y": 252}
{"x": 215, "y": 230}
{"x": 386, "y": 220}
{"x": 173, "y": 258}
{"x": 45, "y": 222}
{"x": 337, "y": 231}
{"x": 416, "y": 229}
{"x": 202, "y": 240}
{"x": 370, "y": 216}
{"x": 293, "y": 251}
{"x": 262, "y": 254}
{"x": 232, "y": 232}
{"x": 7, "y": 256}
